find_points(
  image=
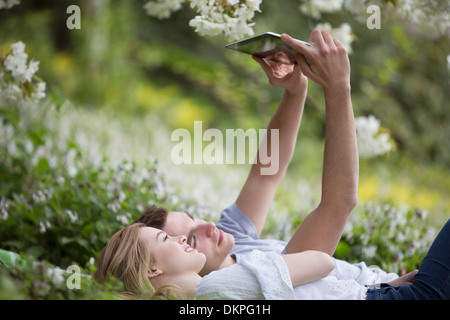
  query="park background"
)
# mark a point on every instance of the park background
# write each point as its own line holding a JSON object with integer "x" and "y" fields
{"x": 84, "y": 159}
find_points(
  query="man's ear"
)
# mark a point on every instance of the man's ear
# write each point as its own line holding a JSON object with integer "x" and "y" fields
{"x": 153, "y": 273}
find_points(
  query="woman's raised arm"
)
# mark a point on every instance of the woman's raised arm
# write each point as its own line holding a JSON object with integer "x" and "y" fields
{"x": 308, "y": 266}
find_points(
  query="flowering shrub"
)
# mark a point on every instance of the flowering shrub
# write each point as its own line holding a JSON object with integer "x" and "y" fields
{"x": 67, "y": 206}
{"x": 162, "y": 9}
{"x": 316, "y": 8}
{"x": 233, "y": 18}
{"x": 57, "y": 204}
{"x": 29, "y": 279}
{"x": 395, "y": 239}
{"x": 17, "y": 81}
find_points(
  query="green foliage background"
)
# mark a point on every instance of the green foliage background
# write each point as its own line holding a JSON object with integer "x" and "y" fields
{"x": 126, "y": 65}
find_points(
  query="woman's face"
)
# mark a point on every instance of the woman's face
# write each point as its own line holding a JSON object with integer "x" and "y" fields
{"x": 171, "y": 255}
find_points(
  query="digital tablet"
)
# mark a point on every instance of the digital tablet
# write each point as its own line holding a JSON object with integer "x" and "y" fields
{"x": 267, "y": 45}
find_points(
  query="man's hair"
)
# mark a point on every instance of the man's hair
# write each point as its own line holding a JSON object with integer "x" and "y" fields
{"x": 154, "y": 217}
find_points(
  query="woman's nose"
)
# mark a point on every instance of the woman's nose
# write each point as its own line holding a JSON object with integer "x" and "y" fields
{"x": 181, "y": 239}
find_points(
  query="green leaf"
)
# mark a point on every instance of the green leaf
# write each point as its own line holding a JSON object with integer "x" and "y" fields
{"x": 35, "y": 251}
{"x": 15, "y": 243}
{"x": 65, "y": 240}
{"x": 42, "y": 166}
{"x": 342, "y": 250}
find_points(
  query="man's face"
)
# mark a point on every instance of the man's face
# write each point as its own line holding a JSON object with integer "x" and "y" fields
{"x": 201, "y": 235}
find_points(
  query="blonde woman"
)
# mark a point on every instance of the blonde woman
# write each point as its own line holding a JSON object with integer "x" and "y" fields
{"x": 127, "y": 259}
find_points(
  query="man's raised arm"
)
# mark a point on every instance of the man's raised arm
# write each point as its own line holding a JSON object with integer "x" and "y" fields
{"x": 327, "y": 64}
{"x": 259, "y": 189}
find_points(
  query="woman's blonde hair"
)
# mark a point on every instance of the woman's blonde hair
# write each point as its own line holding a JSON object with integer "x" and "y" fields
{"x": 128, "y": 259}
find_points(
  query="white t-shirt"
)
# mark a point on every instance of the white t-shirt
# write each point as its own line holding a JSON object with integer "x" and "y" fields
{"x": 233, "y": 221}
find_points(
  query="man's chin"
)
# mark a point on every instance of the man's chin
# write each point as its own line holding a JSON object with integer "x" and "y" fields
{"x": 206, "y": 270}
{"x": 226, "y": 245}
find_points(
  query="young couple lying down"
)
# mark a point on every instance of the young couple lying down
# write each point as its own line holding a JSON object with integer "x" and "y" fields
{"x": 173, "y": 253}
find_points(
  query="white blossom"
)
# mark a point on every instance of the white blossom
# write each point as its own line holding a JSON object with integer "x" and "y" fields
{"x": 162, "y": 9}
{"x": 6, "y": 130}
{"x": 29, "y": 146}
{"x": 70, "y": 163}
{"x": 4, "y": 205}
{"x": 39, "y": 92}
{"x": 60, "y": 180}
{"x": 114, "y": 206}
{"x": 56, "y": 275}
{"x": 230, "y": 18}
{"x": 12, "y": 148}
{"x": 315, "y": 8}
{"x": 358, "y": 8}
{"x": 121, "y": 196}
{"x": 73, "y": 216}
{"x": 17, "y": 63}
{"x": 39, "y": 197}
{"x": 10, "y": 93}
{"x": 430, "y": 14}
{"x": 43, "y": 226}
{"x": 371, "y": 142}
{"x": 204, "y": 27}
{"x": 123, "y": 219}
{"x": 369, "y": 251}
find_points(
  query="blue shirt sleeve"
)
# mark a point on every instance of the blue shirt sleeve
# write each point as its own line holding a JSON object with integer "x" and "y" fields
{"x": 234, "y": 221}
{"x": 246, "y": 238}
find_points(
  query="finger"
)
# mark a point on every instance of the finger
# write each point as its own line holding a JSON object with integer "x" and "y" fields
{"x": 317, "y": 38}
{"x": 304, "y": 66}
{"x": 273, "y": 63}
{"x": 297, "y": 45}
{"x": 263, "y": 63}
{"x": 328, "y": 39}
{"x": 297, "y": 68}
{"x": 339, "y": 44}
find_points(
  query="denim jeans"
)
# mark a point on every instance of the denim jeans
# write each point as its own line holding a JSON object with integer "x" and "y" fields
{"x": 433, "y": 279}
